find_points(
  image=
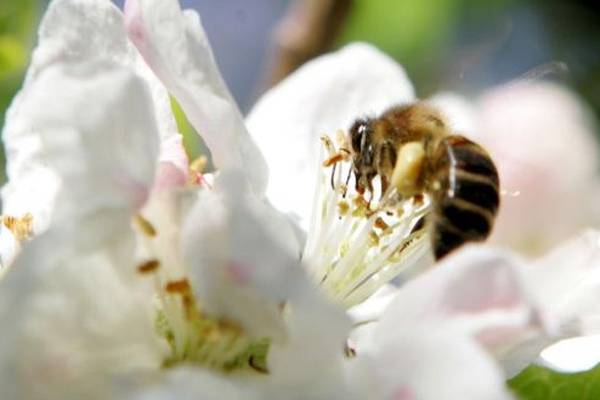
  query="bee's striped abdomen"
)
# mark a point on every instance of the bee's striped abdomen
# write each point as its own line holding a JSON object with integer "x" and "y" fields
{"x": 464, "y": 186}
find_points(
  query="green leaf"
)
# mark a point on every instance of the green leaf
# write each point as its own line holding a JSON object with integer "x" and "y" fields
{"x": 539, "y": 383}
{"x": 12, "y": 55}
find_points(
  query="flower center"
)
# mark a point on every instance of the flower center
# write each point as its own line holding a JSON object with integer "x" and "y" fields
{"x": 355, "y": 245}
{"x": 194, "y": 336}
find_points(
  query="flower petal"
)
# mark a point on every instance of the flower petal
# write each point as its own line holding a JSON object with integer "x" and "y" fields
{"x": 541, "y": 175}
{"x": 572, "y": 355}
{"x": 568, "y": 283}
{"x": 243, "y": 259}
{"x": 480, "y": 293}
{"x": 478, "y": 289}
{"x": 72, "y": 32}
{"x": 174, "y": 45}
{"x": 183, "y": 383}
{"x": 90, "y": 127}
{"x": 75, "y": 31}
{"x": 323, "y": 96}
{"x": 426, "y": 363}
{"x": 173, "y": 167}
{"x": 70, "y": 322}
{"x": 242, "y": 256}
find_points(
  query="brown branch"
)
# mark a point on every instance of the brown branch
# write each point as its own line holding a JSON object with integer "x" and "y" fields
{"x": 309, "y": 29}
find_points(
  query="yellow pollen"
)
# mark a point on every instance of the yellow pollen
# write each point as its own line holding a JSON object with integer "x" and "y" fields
{"x": 21, "y": 228}
{"x": 144, "y": 225}
{"x": 343, "y": 207}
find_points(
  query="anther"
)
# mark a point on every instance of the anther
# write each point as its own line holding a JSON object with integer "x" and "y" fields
{"x": 144, "y": 225}
{"x": 181, "y": 286}
{"x": 148, "y": 266}
{"x": 349, "y": 349}
{"x": 380, "y": 224}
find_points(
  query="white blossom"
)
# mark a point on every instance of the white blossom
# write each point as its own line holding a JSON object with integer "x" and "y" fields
{"x": 138, "y": 279}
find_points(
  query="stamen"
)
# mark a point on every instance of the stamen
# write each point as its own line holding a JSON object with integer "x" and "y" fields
{"x": 356, "y": 245}
{"x": 21, "y": 228}
{"x": 144, "y": 225}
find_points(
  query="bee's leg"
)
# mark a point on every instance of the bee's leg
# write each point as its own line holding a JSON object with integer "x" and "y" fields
{"x": 407, "y": 172}
{"x": 358, "y": 184}
{"x": 384, "y": 185}
{"x": 370, "y": 177}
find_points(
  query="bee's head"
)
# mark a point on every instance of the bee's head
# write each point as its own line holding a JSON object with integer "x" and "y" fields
{"x": 360, "y": 133}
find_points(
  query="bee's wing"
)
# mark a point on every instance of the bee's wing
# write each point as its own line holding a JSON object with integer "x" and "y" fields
{"x": 558, "y": 70}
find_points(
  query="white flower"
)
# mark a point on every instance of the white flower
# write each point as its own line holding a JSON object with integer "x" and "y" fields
{"x": 138, "y": 284}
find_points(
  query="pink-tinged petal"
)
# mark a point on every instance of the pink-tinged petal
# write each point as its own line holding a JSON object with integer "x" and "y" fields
{"x": 478, "y": 289}
{"x": 174, "y": 45}
{"x": 173, "y": 167}
{"x": 168, "y": 176}
{"x": 544, "y": 144}
{"x": 482, "y": 294}
{"x": 321, "y": 97}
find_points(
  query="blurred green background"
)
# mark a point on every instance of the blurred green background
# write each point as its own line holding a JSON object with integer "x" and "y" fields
{"x": 464, "y": 45}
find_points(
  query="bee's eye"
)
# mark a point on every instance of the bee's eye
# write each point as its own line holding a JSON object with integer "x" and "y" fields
{"x": 358, "y": 132}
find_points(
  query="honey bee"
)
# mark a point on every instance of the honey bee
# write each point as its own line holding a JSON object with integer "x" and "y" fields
{"x": 413, "y": 151}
